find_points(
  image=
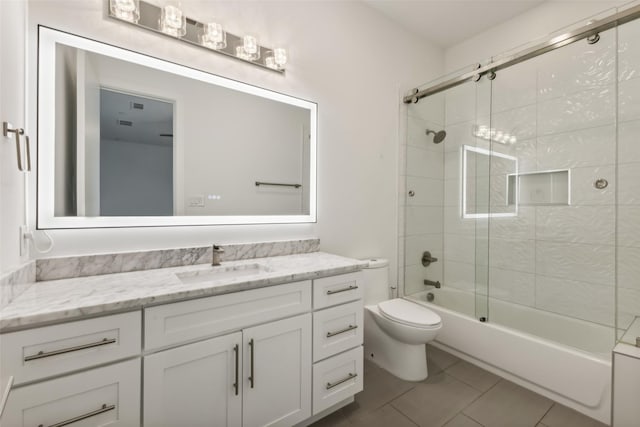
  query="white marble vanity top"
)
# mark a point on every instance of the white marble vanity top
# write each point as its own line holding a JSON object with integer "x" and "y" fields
{"x": 72, "y": 299}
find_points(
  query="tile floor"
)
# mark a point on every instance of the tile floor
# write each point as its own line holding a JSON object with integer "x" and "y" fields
{"x": 456, "y": 394}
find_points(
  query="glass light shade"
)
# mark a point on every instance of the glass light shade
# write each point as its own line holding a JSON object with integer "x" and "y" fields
{"x": 213, "y": 36}
{"x": 280, "y": 56}
{"x": 270, "y": 62}
{"x": 250, "y": 47}
{"x": 172, "y": 21}
{"x": 240, "y": 53}
{"x": 127, "y": 10}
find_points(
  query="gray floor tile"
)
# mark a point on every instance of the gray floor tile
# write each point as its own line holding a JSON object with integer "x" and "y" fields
{"x": 508, "y": 405}
{"x": 470, "y": 374}
{"x": 561, "y": 416}
{"x": 385, "y": 416}
{"x": 462, "y": 420}
{"x": 435, "y": 401}
{"x": 336, "y": 419}
{"x": 380, "y": 388}
{"x": 438, "y": 360}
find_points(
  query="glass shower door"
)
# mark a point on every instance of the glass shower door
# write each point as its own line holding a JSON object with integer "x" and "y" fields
{"x": 552, "y": 232}
{"x": 446, "y": 199}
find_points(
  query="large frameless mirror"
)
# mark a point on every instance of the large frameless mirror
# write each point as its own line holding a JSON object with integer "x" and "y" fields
{"x": 130, "y": 140}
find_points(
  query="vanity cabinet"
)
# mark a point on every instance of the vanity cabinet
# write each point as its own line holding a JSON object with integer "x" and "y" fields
{"x": 271, "y": 356}
{"x": 256, "y": 377}
{"x": 338, "y": 323}
{"x": 195, "y": 384}
{"x": 98, "y": 397}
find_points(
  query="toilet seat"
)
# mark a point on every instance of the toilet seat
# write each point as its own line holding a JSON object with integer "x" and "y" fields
{"x": 409, "y": 313}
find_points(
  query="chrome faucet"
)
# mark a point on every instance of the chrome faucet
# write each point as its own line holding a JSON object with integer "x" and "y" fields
{"x": 216, "y": 253}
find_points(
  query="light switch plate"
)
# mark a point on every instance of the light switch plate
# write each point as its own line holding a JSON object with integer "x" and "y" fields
{"x": 196, "y": 201}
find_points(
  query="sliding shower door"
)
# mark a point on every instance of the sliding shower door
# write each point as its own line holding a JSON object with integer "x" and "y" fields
{"x": 628, "y": 242}
{"x": 446, "y": 199}
{"x": 552, "y": 226}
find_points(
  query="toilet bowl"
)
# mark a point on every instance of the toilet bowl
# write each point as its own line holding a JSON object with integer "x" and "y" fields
{"x": 396, "y": 330}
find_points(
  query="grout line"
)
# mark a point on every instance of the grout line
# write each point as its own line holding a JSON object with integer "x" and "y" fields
{"x": 404, "y": 415}
{"x": 545, "y": 414}
{"x": 477, "y": 398}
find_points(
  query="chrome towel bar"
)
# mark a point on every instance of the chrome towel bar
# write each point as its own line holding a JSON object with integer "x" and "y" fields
{"x": 277, "y": 184}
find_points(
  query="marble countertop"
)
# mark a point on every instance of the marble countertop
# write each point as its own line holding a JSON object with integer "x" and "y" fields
{"x": 72, "y": 299}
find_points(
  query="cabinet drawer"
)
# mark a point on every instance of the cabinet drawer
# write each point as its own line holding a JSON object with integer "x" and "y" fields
{"x": 44, "y": 352}
{"x": 335, "y": 290}
{"x": 336, "y": 379}
{"x": 98, "y": 397}
{"x": 171, "y": 324}
{"x": 337, "y": 329}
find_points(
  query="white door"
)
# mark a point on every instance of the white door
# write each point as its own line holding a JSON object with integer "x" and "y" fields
{"x": 108, "y": 396}
{"x": 277, "y": 373}
{"x": 195, "y": 385}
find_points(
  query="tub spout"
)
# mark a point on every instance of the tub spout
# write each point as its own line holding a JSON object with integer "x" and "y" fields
{"x": 435, "y": 284}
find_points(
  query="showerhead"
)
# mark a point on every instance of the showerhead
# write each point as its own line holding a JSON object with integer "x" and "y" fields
{"x": 438, "y": 137}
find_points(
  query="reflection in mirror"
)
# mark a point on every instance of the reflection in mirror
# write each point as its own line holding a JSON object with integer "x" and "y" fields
{"x": 485, "y": 183}
{"x": 132, "y": 140}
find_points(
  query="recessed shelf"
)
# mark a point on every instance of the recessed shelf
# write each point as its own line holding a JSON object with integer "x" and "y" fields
{"x": 540, "y": 188}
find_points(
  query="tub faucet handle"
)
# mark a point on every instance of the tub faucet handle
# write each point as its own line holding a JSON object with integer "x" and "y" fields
{"x": 427, "y": 259}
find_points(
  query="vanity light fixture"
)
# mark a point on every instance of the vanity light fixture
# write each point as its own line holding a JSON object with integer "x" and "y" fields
{"x": 492, "y": 134}
{"x": 127, "y": 10}
{"x": 171, "y": 21}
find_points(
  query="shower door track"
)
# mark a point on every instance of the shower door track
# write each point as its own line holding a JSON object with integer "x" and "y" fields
{"x": 553, "y": 43}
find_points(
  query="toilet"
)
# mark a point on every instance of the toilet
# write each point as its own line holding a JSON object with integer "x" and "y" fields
{"x": 395, "y": 330}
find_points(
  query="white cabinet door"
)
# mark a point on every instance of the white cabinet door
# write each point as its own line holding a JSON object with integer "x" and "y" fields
{"x": 108, "y": 396}
{"x": 277, "y": 373}
{"x": 195, "y": 385}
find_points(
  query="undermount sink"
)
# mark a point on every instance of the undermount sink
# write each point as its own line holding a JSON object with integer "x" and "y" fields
{"x": 222, "y": 272}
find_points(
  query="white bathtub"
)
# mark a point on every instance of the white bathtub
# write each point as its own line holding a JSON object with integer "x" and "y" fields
{"x": 576, "y": 373}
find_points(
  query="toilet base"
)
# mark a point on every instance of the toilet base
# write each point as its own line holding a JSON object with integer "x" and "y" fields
{"x": 405, "y": 361}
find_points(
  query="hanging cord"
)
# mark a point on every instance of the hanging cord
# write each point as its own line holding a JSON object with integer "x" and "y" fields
{"x": 31, "y": 236}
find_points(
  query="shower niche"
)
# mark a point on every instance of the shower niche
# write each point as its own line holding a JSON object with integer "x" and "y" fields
{"x": 544, "y": 188}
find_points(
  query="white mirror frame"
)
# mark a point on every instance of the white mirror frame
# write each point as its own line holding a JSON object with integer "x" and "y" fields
{"x": 46, "y": 139}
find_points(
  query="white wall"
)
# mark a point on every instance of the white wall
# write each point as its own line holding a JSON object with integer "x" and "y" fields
{"x": 524, "y": 29}
{"x": 352, "y": 61}
{"x": 12, "y": 46}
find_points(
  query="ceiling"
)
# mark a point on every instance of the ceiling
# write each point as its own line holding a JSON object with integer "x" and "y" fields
{"x": 448, "y": 22}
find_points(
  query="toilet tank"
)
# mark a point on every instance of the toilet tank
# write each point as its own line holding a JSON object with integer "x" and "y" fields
{"x": 376, "y": 281}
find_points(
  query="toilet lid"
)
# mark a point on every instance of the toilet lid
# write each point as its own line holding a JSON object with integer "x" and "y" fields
{"x": 409, "y": 313}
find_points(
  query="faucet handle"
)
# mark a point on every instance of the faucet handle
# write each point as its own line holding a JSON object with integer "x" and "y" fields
{"x": 427, "y": 259}
{"x": 218, "y": 248}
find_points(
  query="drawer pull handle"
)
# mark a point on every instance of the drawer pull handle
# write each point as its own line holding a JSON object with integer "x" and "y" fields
{"x": 105, "y": 408}
{"x": 236, "y": 350}
{"x": 344, "y": 380}
{"x": 342, "y": 331}
{"x": 43, "y": 354}
{"x": 337, "y": 291}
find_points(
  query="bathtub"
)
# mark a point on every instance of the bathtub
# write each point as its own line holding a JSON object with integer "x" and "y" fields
{"x": 576, "y": 373}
